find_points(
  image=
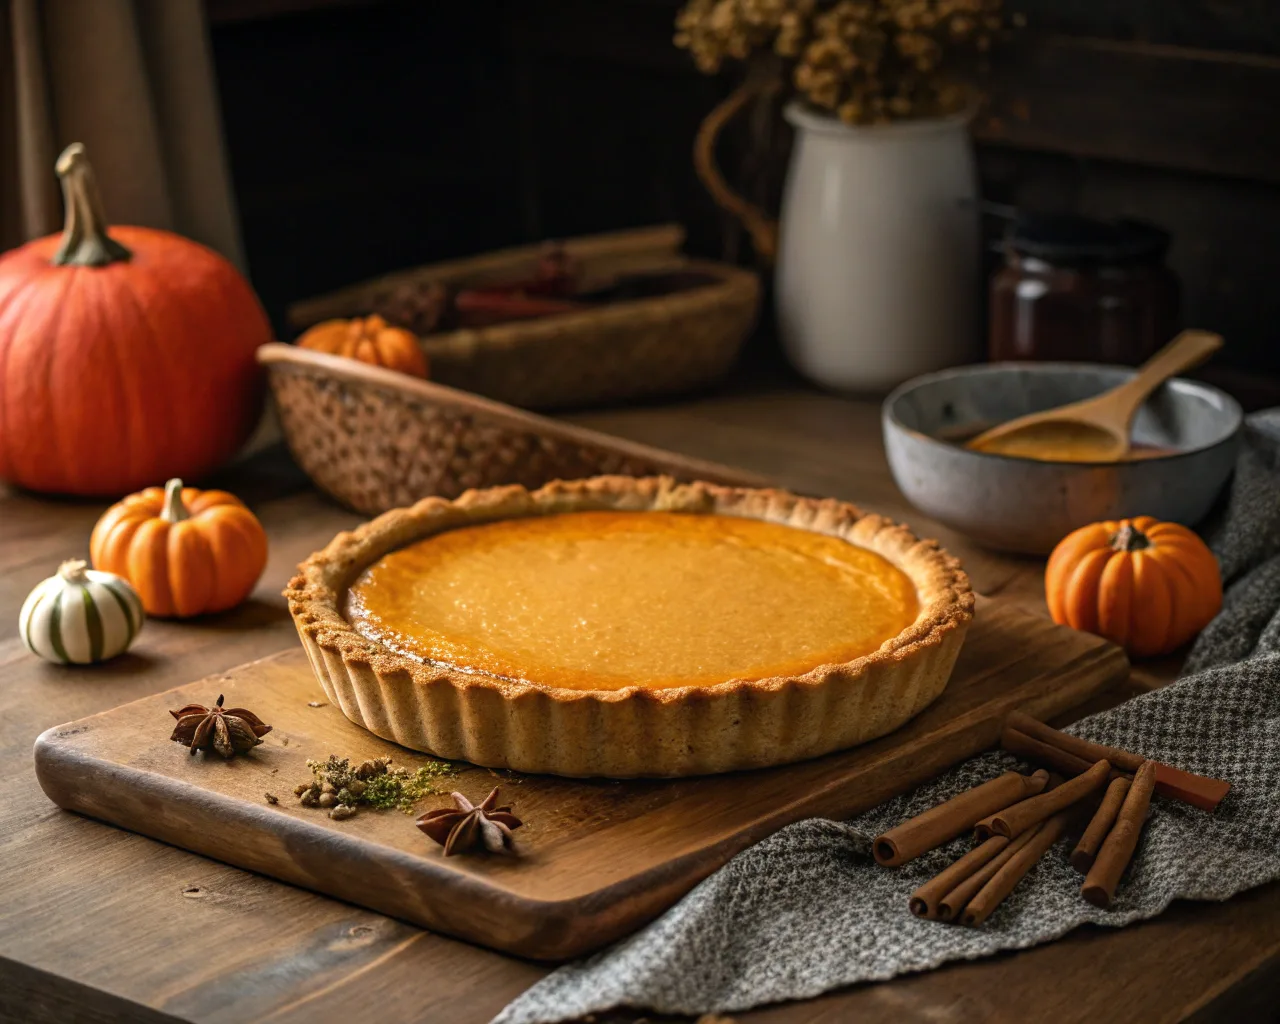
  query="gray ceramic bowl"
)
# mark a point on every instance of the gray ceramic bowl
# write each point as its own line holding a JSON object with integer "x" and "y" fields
{"x": 1014, "y": 504}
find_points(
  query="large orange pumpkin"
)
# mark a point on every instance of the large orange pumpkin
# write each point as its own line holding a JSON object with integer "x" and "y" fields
{"x": 371, "y": 340}
{"x": 1146, "y": 585}
{"x": 186, "y": 552}
{"x": 124, "y": 357}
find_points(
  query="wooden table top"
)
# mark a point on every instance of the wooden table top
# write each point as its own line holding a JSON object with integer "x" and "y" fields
{"x": 99, "y": 924}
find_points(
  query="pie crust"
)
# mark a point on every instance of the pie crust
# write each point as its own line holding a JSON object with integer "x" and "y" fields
{"x": 633, "y": 731}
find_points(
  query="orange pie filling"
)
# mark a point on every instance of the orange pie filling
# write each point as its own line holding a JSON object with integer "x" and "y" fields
{"x": 605, "y": 600}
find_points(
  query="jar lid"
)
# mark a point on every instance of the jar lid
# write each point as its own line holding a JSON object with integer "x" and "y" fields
{"x": 1079, "y": 241}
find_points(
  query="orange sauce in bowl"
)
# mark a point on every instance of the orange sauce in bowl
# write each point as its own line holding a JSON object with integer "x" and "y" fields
{"x": 1059, "y": 442}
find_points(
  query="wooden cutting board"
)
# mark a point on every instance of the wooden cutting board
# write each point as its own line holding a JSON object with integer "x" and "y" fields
{"x": 604, "y": 856}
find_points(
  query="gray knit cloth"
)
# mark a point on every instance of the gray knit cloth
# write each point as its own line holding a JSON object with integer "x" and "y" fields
{"x": 808, "y": 910}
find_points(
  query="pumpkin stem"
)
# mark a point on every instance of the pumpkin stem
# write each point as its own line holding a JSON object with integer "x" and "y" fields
{"x": 85, "y": 242}
{"x": 174, "y": 510}
{"x": 73, "y": 570}
{"x": 1129, "y": 538}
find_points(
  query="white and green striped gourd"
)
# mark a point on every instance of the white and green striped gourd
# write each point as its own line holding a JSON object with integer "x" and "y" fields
{"x": 80, "y": 615}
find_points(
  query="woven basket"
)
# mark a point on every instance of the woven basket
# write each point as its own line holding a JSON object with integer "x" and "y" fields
{"x": 375, "y": 439}
{"x": 633, "y": 349}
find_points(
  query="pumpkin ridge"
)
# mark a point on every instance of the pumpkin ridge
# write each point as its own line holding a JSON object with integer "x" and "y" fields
{"x": 1082, "y": 590}
{"x": 239, "y": 413}
{"x": 53, "y": 332}
{"x": 7, "y": 304}
{"x": 179, "y": 551}
{"x": 1156, "y": 605}
{"x": 116, "y": 544}
{"x": 227, "y": 547}
{"x": 126, "y": 389}
{"x": 242, "y": 524}
{"x": 1116, "y": 593}
{"x": 5, "y": 348}
{"x": 1067, "y": 553}
{"x": 146, "y": 556}
{"x": 55, "y": 628}
{"x": 7, "y": 295}
{"x": 93, "y": 623}
{"x": 29, "y": 358}
{"x": 125, "y": 610}
{"x": 1194, "y": 619}
{"x": 31, "y": 617}
{"x": 164, "y": 367}
{"x": 1185, "y": 616}
{"x": 240, "y": 369}
{"x": 203, "y": 569}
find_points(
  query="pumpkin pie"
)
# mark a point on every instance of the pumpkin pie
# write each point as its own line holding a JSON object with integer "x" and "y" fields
{"x": 628, "y": 627}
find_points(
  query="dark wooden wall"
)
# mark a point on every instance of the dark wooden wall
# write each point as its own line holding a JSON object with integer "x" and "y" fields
{"x": 367, "y": 135}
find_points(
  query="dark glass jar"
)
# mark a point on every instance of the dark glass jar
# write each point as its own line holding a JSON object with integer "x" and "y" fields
{"x": 1079, "y": 289}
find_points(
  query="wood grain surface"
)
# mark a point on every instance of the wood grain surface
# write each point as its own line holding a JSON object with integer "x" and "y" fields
{"x": 100, "y": 924}
{"x": 604, "y": 856}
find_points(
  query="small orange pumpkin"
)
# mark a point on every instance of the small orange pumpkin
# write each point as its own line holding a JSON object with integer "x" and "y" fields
{"x": 1140, "y": 583}
{"x": 186, "y": 552}
{"x": 371, "y": 340}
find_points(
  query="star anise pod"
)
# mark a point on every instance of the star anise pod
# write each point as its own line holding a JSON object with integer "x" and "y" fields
{"x": 228, "y": 731}
{"x": 466, "y": 828}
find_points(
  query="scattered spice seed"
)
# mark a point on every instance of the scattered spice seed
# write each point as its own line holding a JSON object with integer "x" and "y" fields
{"x": 373, "y": 783}
{"x": 272, "y": 798}
{"x": 317, "y": 703}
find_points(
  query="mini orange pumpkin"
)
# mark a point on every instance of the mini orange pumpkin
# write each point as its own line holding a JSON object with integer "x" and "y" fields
{"x": 186, "y": 552}
{"x": 371, "y": 340}
{"x": 1143, "y": 584}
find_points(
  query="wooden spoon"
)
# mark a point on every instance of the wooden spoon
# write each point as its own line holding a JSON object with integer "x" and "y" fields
{"x": 1097, "y": 429}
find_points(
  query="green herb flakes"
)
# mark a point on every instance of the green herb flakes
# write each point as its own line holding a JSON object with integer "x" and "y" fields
{"x": 373, "y": 783}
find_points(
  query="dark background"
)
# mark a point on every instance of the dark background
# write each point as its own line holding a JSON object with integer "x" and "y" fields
{"x": 370, "y": 135}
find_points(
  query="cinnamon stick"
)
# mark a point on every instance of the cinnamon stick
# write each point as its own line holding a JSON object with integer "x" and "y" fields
{"x": 946, "y": 821}
{"x": 1027, "y": 747}
{"x": 1086, "y": 851}
{"x": 1117, "y": 849}
{"x": 924, "y": 901}
{"x": 1084, "y": 749}
{"x": 1196, "y": 790}
{"x": 950, "y": 906}
{"x": 1012, "y": 871}
{"x": 1015, "y": 820}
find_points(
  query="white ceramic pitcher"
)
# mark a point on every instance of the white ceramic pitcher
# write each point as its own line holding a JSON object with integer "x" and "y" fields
{"x": 879, "y": 260}
{"x": 879, "y": 252}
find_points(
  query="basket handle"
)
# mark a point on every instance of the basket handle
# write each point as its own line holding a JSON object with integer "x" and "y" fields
{"x": 762, "y": 228}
